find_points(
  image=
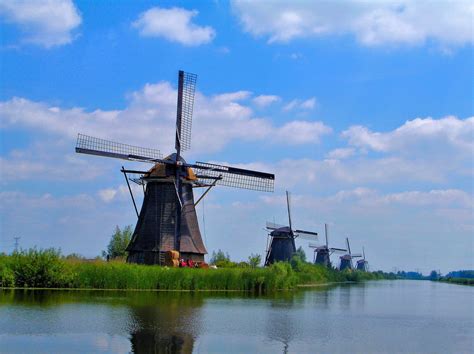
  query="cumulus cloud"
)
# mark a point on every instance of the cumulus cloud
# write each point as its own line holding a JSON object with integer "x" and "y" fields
{"x": 175, "y": 25}
{"x": 369, "y": 197}
{"x": 302, "y": 132}
{"x": 121, "y": 192}
{"x": 45, "y": 23}
{"x": 107, "y": 195}
{"x": 308, "y": 104}
{"x": 265, "y": 100}
{"x": 333, "y": 173}
{"x": 427, "y": 132}
{"x": 47, "y": 160}
{"x": 372, "y": 23}
{"x": 341, "y": 153}
{"x": 151, "y": 113}
{"x": 18, "y": 200}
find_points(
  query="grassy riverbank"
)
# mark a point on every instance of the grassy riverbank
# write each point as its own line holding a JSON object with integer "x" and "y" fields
{"x": 462, "y": 281}
{"x": 47, "y": 269}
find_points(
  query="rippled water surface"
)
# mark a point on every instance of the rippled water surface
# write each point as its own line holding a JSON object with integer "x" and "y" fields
{"x": 373, "y": 317}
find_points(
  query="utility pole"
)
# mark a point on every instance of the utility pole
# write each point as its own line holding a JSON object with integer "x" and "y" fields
{"x": 17, "y": 238}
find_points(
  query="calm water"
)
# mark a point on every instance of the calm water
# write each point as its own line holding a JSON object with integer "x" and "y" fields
{"x": 374, "y": 317}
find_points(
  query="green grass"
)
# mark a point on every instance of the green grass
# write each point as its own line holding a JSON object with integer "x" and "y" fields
{"x": 462, "y": 281}
{"x": 47, "y": 269}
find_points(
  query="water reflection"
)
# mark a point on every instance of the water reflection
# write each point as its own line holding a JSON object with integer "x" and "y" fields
{"x": 367, "y": 317}
{"x": 279, "y": 324}
{"x": 167, "y": 324}
{"x": 153, "y": 322}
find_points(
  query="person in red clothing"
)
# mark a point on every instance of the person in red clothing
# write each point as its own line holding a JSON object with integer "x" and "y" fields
{"x": 190, "y": 263}
{"x": 182, "y": 263}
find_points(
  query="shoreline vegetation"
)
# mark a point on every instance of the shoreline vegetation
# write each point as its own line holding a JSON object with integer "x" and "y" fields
{"x": 460, "y": 281}
{"x": 47, "y": 269}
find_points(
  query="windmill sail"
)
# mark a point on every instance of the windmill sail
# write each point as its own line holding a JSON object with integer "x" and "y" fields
{"x": 338, "y": 249}
{"x": 184, "y": 115}
{"x": 95, "y": 146}
{"x": 272, "y": 226}
{"x": 289, "y": 208}
{"x": 234, "y": 177}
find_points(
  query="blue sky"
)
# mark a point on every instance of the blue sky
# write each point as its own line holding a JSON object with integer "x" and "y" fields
{"x": 363, "y": 111}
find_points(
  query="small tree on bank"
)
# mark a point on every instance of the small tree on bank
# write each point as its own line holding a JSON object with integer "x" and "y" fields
{"x": 118, "y": 243}
{"x": 219, "y": 257}
{"x": 301, "y": 253}
{"x": 254, "y": 260}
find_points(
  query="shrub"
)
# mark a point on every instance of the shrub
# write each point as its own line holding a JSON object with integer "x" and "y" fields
{"x": 39, "y": 268}
{"x": 7, "y": 277}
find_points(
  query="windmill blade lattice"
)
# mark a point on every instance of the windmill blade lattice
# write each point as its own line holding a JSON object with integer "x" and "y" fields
{"x": 234, "y": 177}
{"x": 184, "y": 119}
{"x": 338, "y": 250}
{"x": 95, "y": 146}
{"x": 306, "y": 235}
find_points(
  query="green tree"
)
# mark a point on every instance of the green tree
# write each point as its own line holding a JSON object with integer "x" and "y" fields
{"x": 119, "y": 242}
{"x": 254, "y": 260}
{"x": 219, "y": 257}
{"x": 301, "y": 253}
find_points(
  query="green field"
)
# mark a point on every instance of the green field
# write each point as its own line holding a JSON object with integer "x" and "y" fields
{"x": 47, "y": 269}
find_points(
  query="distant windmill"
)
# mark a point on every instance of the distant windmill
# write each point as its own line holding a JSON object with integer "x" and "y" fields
{"x": 282, "y": 239}
{"x": 167, "y": 219}
{"x": 346, "y": 260}
{"x": 322, "y": 253}
{"x": 362, "y": 264}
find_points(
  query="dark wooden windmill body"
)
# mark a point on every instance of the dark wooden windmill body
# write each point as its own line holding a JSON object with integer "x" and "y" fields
{"x": 362, "y": 264}
{"x": 346, "y": 260}
{"x": 322, "y": 253}
{"x": 281, "y": 246}
{"x": 167, "y": 219}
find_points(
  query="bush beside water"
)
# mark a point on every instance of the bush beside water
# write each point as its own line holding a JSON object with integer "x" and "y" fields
{"x": 462, "y": 281}
{"x": 47, "y": 269}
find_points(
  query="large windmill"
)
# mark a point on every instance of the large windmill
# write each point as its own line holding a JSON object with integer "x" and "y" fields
{"x": 346, "y": 260}
{"x": 362, "y": 264}
{"x": 282, "y": 239}
{"x": 167, "y": 219}
{"x": 322, "y": 253}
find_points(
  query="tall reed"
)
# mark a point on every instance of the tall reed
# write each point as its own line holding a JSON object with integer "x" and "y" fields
{"x": 47, "y": 269}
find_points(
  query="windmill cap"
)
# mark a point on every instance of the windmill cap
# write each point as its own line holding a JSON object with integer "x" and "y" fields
{"x": 282, "y": 231}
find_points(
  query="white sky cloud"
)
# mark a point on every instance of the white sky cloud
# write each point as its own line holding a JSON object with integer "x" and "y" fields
{"x": 107, "y": 195}
{"x": 427, "y": 132}
{"x": 302, "y": 132}
{"x": 149, "y": 120}
{"x": 372, "y": 23}
{"x": 174, "y": 24}
{"x": 265, "y": 100}
{"x": 308, "y": 104}
{"x": 45, "y": 23}
{"x": 341, "y": 153}
{"x": 121, "y": 192}
{"x": 371, "y": 197}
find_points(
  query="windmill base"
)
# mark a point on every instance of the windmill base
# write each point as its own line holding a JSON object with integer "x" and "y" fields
{"x": 158, "y": 258}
